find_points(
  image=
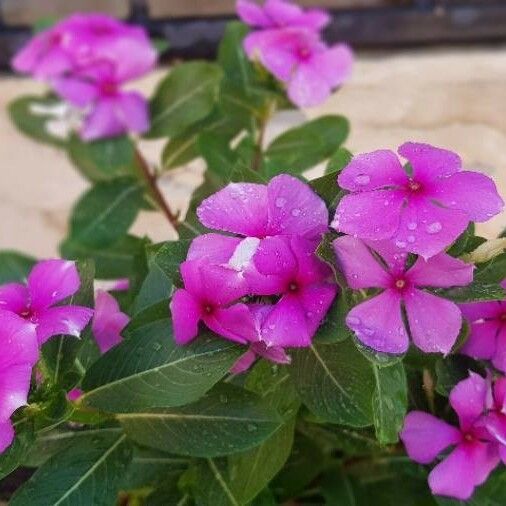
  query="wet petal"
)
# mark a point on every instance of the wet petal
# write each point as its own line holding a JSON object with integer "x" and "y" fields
{"x": 371, "y": 215}
{"x": 482, "y": 340}
{"x": 244, "y": 362}
{"x": 234, "y": 323}
{"x": 429, "y": 162}
{"x": 51, "y": 281}
{"x": 316, "y": 300}
{"x": 468, "y": 399}
{"x": 274, "y": 354}
{"x": 311, "y": 269}
{"x": 471, "y": 192}
{"x": 186, "y": 314}
{"x": 14, "y": 387}
{"x": 18, "y": 341}
{"x": 441, "y": 270}
{"x": 294, "y": 208}
{"x": 482, "y": 310}
{"x": 378, "y": 324}
{"x": 499, "y": 359}
{"x": 426, "y": 436}
{"x": 432, "y": 335}
{"x": 13, "y": 297}
{"x": 240, "y": 208}
{"x": 274, "y": 256}
{"x": 361, "y": 268}
{"x": 216, "y": 248}
{"x": 64, "y": 320}
{"x": 370, "y": 171}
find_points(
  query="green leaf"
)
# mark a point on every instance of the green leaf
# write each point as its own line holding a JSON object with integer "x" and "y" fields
{"x": 105, "y": 159}
{"x": 157, "y": 372}
{"x": 333, "y": 327}
{"x": 474, "y": 292}
{"x": 104, "y": 213}
{"x": 184, "y": 97}
{"x": 23, "y": 113}
{"x": 217, "y": 154}
{"x": 84, "y": 474}
{"x": 389, "y": 402}
{"x": 226, "y": 420}
{"x": 14, "y": 266}
{"x": 59, "y": 352}
{"x": 157, "y": 287}
{"x": 116, "y": 261}
{"x": 16, "y": 454}
{"x": 335, "y": 382}
{"x": 307, "y": 145}
{"x": 326, "y": 187}
{"x": 168, "y": 256}
{"x": 338, "y": 161}
{"x": 493, "y": 271}
{"x": 452, "y": 369}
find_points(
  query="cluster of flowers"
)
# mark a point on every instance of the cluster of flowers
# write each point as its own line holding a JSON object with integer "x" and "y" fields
{"x": 87, "y": 58}
{"x": 479, "y": 442}
{"x": 287, "y": 42}
{"x": 29, "y": 316}
{"x": 265, "y": 286}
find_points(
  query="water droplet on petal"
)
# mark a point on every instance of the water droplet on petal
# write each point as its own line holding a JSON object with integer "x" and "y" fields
{"x": 400, "y": 244}
{"x": 411, "y": 238}
{"x": 353, "y": 320}
{"x": 362, "y": 179}
{"x": 434, "y": 228}
{"x": 412, "y": 225}
{"x": 295, "y": 212}
{"x": 280, "y": 202}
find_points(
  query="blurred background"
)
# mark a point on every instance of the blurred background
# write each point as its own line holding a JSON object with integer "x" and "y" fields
{"x": 426, "y": 70}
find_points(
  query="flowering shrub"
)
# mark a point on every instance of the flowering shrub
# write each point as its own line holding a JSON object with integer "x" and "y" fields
{"x": 265, "y": 356}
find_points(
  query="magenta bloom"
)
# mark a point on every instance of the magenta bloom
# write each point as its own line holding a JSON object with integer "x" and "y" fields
{"x": 20, "y": 351}
{"x": 300, "y": 59}
{"x": 303, "y": 281}
{"x": 210, "y": 295}
{"x": 280, "y": 14}
{"x": 111, "y": 111}
{"x": 49, "y": 282}
{"x": 487, "y": 338}
{"x": 108, "y": 321}
{"x": 286, "y": 206}
{"x": 378, "y": 321}
{"x": 422, "y": 213}
{"x": 475, "y": 452}
{"x": 495, "y": 419}
{"x": 83, "y": 40}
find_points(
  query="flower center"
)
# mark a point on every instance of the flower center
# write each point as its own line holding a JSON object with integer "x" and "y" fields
{"x": 304, "y": 53}
{"x": 109, "y": 88}
{"x": 468, "y": 437}
{"x": 502, "y": 317}
{"x": 208, "y": 309}
{"x": 293, "y": 287}
{"x": 400, "y": 283}
{"x": 414, "y": 186}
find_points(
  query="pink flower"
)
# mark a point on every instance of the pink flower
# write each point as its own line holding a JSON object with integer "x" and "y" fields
{"x": 475, "y": 452}
{"x": 210, "y": 295}
{"x": 108, "y": 321}
{"x": 83, "y": 40}
{"x": 49, "y": 282}
{"x": 300, "y": 59}
{"x": 110, "y": 110}
{"x": 280, "y": 14}
{"x": 302, "y": 280}
{"x": 487, "y": 337}
{"x": 495, "y": 419}
{"x": 74, "y": 394}
{"x": 20, "y": 351}
{"x": 378, "y": 321}
{"x": 286, "y": 206}
{"x": 422, "y": 212}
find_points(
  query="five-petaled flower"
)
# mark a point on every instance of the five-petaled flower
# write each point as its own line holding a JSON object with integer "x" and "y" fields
{"x": 378, "y": 321}
{"x": 422, "y": 212}
{"x": 49, "y": 282}
{"x": 476, "y": 451}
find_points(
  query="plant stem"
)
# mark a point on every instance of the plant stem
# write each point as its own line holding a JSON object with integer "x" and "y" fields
{"x": 262, "y": 126}
{"x": 150, "y": 180}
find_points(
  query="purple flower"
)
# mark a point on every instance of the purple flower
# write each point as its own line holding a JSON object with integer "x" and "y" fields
{"x": 302, "y": 280}
{"x": 475, "y": 453}
{"x": 210, "y": 295}
{"x": 280, "y": 14}
{"x": 378, "y": 321}
{"x": 286, "y": 206}
{"x": 300, "y": 59}
{"x": 108, "y": 321}
{"x": 487, "y": 337}
{"x": 422, "y": 212}
{"x": 495, "y": 419}
{"x": 83, "y": 40}
{"x": 20, "y": 351}
{"x": 49, "y": 282}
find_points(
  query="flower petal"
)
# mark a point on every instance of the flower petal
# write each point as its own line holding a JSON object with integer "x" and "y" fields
{"x": 186, "y": 314}
{"x": 14, "y": 387}
{"x": 244, "y": 362}
{"x": 294, "y": 208}
{"x": 482, "y": 310}
{"x": 441, "y": 270}
{"x": 371, "y": 171}
{"x": 360, "y": 267}
{"x": 378, "y": 324}
{"x": 286, "y": 324}
{"x": 64, "y": 320}
{"x": 274, "y": 354}
{"x": 482, "y": 340}
{"x": 18, "y": 341}
{"x": 13, "y": 297}
{"x": 334, "y": 64}
{"x": 252, "y": 14}
{"x": 371, "y": 215}
{"x": 6, "y": 435}
{"x": 234, "y": 323}
{"x": 132, "y": 110}
{"x": 78, "y": 92}
{"x": 240, "y": 208}
{"x": 468, "y": 399}
{"x": 499, "y": 359}
{"x": 429, "y": 162}
{"x": 51, "y": 281}
{"x": 316, "y": 300}
{"x": 432, "y": 335}
{"x": 216, "y": 248}
{"x": 471, "y": 192}
{"x": 307, "y": 87}
{"x": 426, "y": 436}
{"x": 311, "y": 269}
{"x": 108, "y": 321}
{"x": 103, "y": 121}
